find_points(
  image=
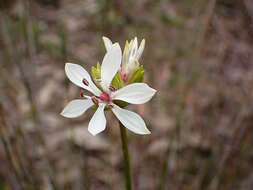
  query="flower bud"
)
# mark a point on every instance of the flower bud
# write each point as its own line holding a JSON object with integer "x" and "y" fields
{"x": 137, "y": 76}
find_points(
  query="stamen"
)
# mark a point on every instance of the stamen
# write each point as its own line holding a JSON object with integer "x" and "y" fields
{"x": 82, "y": 93}
{"x": 109, "y": 106}
{"x": 123, "y": 75}
{"x": 85, "y": 82}
{"x": 94, "y": 100}
{"x": 98, "y": 79}
{"x": 112, "y": 88}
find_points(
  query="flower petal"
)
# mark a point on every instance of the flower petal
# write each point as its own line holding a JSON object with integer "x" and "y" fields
{"x": 110, "y": 65}
{"x": 133, "y": 66}
{"x": 136, "y": 93}
{"x": 140, "y": 50}
{"x": 130, "y": 120}
{"x": 76, "y": 74}
{"x": 107, "y": 43}
{"x": 98, "y": 122}
{"x": 125, "y": 57}
{"x": 133, "y": 49}
{"x": 76, "y": 108}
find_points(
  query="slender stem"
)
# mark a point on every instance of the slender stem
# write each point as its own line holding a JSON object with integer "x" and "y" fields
{"x": 126, "y": 156}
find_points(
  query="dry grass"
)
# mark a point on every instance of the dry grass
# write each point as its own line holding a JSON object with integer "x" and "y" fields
{"x": 198, "y": 56}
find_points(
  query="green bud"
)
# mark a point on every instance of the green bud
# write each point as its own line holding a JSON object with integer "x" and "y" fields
{"x": 95, "y": 107}
{"x": 137, "y": 76}
{"x": 96, "y": 74}
{"x": 121, "y": 103}
{"x": 117, "y": 81}
{"x": 99, "y": 67}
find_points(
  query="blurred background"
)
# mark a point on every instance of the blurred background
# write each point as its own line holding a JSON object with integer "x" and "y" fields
{"x": 198, "y": 56}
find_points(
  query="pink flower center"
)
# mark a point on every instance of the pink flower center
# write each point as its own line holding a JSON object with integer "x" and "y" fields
{"x": 105, "y": 97}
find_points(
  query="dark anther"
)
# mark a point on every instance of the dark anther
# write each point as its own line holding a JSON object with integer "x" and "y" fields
{"x": 98, "y": 79}
{"x": 82, "y": 93}
{"x": 112, "y": 88}
{"x": 94, "y": 100}
{"x": 85, "y": 82}
{"x": 109, "y": 106}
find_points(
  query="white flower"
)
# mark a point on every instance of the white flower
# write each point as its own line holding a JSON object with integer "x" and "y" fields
{"x": 131, "y": 56}
{"x": 136, "y": 93}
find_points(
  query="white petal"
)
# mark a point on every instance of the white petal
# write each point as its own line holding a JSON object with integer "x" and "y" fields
{"x": 110, "y": 65}
{"x": 107, "y": 43}
{"x": 125, "y": 58}
{"x": 136, "y": 93}
{"x": 98, "y": 122}
{"x": 133, "y": 49}
{"x": 133, "y": 66}
{"x": 76, "y": 74}
{"x": 76, "y": 108}
{"x": 140, "y": 50}
{"x": 130, "y": 120}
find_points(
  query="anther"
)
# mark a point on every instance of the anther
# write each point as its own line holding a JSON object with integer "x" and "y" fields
{"x": 112, "y": 88}
{"x": 82, "y": 93}
{"x": 94, "y": 100}
{"x": 109, "y": 106}
{"x": 98, "y": 79}
{"x": 85, "y": 82}
{"x": 123, "y": 75}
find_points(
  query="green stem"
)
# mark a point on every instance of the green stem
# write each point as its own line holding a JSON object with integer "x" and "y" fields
{"x": 126, "y": 156}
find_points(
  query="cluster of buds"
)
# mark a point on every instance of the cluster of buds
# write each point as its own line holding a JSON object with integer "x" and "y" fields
{"x": 130, "y": 70}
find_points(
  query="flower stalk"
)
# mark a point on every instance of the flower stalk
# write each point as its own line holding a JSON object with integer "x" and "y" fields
{"x": 127, "y": 169}
{"x": 116, "y": 83}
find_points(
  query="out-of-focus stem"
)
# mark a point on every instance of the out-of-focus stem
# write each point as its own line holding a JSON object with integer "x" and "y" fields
{"x": 8, "y": 152}
{"x": 239, "y": 133}
{"x": 126, "y": 156}
{"x": 15, "y": 152}
{"x": 16, "y": 60}
{"x": 176, "y": 135}
{"x": 202, "y": 33}
{"x": 165, "y": 165}
{"x": 32, "y": 53}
